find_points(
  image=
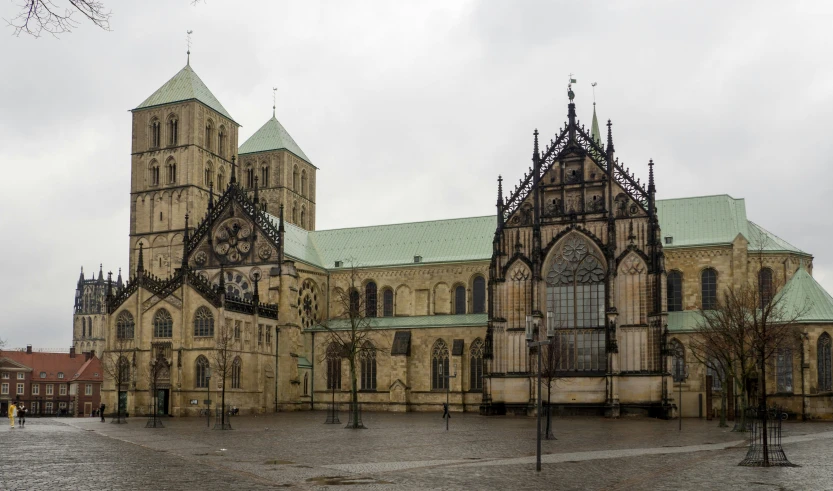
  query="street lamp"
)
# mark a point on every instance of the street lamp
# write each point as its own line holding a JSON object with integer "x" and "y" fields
{"x": 448, "y": 377}
{"x": 531, "y": 326}
{"x": 208, "y": 397}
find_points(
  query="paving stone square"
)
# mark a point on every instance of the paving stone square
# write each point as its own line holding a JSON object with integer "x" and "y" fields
{"x": 402, "y": 451}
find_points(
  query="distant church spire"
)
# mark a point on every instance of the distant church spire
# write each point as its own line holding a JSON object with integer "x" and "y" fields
{"x": 595, "y": 134}
{"x": 188, "y": 61}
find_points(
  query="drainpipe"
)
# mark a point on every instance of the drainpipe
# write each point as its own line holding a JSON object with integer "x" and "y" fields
{"x": 277, "y": 345}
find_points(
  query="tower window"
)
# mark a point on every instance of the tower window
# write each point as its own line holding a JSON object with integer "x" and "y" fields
{"x": 221, "y": 141}
{"x": 173, "y": 130}
{"x": 264, "y": 176}
{"x": 155, "y": 134}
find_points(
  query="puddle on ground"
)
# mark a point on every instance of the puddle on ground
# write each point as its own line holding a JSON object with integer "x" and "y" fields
{"x": 345, "y": 480}
{"x": 278, "y": 462}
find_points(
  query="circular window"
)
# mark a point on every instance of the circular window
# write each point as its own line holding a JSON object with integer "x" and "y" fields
{"x": 308, "y": 304}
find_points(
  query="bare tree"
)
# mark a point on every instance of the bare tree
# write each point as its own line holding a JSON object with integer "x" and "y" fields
{"x": 116, "y": 366}
{"x": 157, "y": 368}
{"x": 714, "y": 348}
{"x": 38, "y": 16}
{"x": 223, "y": 361}
{"x": 551, "y": 368}
{"x": 351, "y": 336}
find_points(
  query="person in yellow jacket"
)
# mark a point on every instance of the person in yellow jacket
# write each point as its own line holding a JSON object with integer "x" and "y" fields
{"x": 12, "y": 414}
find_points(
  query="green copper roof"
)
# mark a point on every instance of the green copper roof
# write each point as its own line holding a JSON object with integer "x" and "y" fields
{"x": 684, "y": 321}
{"x": 415, "y": 322}
{"x": 184, "y": 86}
{"x": 804, "y": 296}
{"x": 713, "y": 220}
{"x": 303, "y": 362}
{"x": 271, "y": 136}
{"x": 458, "y": 239}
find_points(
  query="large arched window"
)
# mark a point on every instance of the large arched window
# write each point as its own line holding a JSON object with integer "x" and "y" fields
{"x": 708, "y": 288}
{"x": 203, "y": 373}
{"x": 123, "y": 371}
{"x": 368, "y": 366}
{"x": 355, "y": 302}
{"x": 235, "y": 373}
{"x": 124, "y": 325}
{"x": 303, "y": 182}
{"x": 784, "y": 370}
{"x": 476, "y": 365}
{"x": 677, "y": 361}
{"x": 163, "y": 324}
{"x": 765, "y": 286}
{"x": 478, "y": 295}
{"x": 203, "y": 322}
{"x": 387, "y": 303}
{"x": 576, "y": 296}
{"x": 439, "y": 365}
{"x": 460, "y": 299}
{"x": 674, "y": 290}
{"x": 333, "y": 367}
{"x": 824, "y": 364}
{"x": 370, "y": 299}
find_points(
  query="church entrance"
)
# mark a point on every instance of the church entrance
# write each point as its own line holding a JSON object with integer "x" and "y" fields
{"x": 162, "y": 396}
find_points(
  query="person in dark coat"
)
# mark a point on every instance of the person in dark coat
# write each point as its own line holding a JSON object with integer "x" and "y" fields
{"x": 101, "y": 411}
{"x": 21, "y": 415}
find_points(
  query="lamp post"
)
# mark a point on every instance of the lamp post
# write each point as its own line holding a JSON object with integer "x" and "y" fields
{"x": 531, "y": 330}
{"x": 208, "y": 397}
{"x": 448, "y": 377}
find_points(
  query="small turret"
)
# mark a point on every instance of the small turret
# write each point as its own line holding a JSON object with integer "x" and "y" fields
{"x": 119, "y": 282}
{"x": 101, "y": 273}
{"x": 595, "y": 134}
{"x": 81, "y": 277}
{"x": 609, "y": 140}
{"x": 500, "y": 201}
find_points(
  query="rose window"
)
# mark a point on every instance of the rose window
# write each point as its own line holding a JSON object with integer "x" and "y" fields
{"x": 308, "y": 304}
{"x": 232, "y": 240}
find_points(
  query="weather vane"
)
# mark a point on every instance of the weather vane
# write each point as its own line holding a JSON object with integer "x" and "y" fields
{"x": 570, "y": 92}
{"x": 594, "y": 92}
{"x": 188, "y": 40}
{"x": 274, "y": 93}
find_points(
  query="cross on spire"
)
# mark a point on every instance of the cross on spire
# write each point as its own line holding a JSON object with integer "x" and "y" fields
{"x": 188, "y": 40}
{"x": 274, "y": 94}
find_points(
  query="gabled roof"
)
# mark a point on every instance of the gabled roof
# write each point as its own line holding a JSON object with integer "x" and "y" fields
{"x": 804, "y": 296}
{"x": 184, "y": 86}
{"x": 90, "y": 371}
{"x": 50, "y": 363}
{"x": 714, "y": 220}
{"x": 438, "y": 241}
{"x": 271, "y": 136}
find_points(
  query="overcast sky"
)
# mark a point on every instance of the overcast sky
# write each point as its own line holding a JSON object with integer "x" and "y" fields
{"x": 410, "y": 110}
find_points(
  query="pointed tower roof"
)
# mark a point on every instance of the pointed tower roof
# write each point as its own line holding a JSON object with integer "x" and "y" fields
{"x": 803, "y": 296}
{"x": 271, "y": 136}
{"x": 184, "y": 86}
{"x": 594, "y": 128}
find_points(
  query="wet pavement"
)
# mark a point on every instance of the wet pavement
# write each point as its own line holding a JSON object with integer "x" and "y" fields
{"x": 402, "y": 451}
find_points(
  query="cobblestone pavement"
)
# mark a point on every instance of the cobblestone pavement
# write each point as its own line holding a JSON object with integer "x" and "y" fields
{"x": 402, "y": 451}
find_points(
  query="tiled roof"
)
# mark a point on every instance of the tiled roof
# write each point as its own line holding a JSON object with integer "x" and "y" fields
{"x": 714, "y": 220}
{"x": 439, "y": 241}
{"x": 51, "y": 363}
{"x": 90, "y": 371}
{"x": 803, "y": 296}
{"x": 271, "y": 136}
{"x": 416, "y": 322}
{"x": 184, "y": 86}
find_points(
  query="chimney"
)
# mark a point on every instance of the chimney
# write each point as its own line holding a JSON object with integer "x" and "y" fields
{"x": 88, "y": 355}
{"x": 28, "y": 349}
{"x": 72, "y": 351}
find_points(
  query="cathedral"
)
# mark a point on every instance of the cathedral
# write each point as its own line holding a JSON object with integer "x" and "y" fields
{"x": 224, "y": 250}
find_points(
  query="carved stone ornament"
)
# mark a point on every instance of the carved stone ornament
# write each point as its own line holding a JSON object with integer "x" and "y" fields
{"x": 308, "y": 304}
{"x": 231, "y": 240}
{"x": 264, "y": 252}
{"x": 200, "y": 258}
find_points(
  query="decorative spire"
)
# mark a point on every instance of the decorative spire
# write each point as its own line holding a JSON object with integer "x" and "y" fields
{"x": 500, "y": 191}
{"x": 274, "y": 93}
{"x": 280, "y": 221}
{"x": 81, "y": 278}
{"x": 233, "y": 171}
{"x": 535, "y": 153}
{"x": 109, "y": 284}
{"x": 140, "y": 268}
{"x": 609, "y": 137}
{"x": 101, "y": 273}
{"x": 651, "y": 188}
{"x": 185, "y": 245}
{"x": 119, "y": 282}
{"x": 595, "y": 134}
{"x": 188, "y": 62}
{"x": 210, "y": 195}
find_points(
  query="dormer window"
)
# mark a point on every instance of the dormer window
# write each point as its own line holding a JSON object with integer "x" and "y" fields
{"x": 60, "y": 374}
{"x": 669, "y": 240}
{"x": 43, "y": 375}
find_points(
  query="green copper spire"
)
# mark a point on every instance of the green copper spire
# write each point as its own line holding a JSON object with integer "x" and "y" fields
{"x": 594, "y": 129}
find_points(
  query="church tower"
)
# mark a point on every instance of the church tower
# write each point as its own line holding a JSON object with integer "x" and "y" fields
{"x": 183, "y": 144}
{"x": 285, "y": 174}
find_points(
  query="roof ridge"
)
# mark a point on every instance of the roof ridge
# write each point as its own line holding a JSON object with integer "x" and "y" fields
{"x": 402, "y": 223}
{"x": 701, "y": 197}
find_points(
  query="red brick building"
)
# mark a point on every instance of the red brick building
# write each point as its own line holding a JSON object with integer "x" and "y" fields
{"x": 50, "y": 384}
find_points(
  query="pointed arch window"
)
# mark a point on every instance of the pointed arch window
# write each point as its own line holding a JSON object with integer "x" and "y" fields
{"x": 235, "y": 373}
{"x": 155, "y": 134}
{"x": 303, "y": 182}
{"x": 125, "y": 325}
{"x": 221, "y": 181}
{"x": 387, "y": 303}
{"x": 250, "y": 177}
{"x": 264, "y": 176}
{"x": 333, "y": 367}
{"x": 674, "y": 291}
{"x": 784, "y": 370}
{"x": 203, "y": 322}
{"x": 370, "y": 299}
{"x": 173, "y": 131}
{"x": 83, "y": 327}
{"x": 824, "y": 363}
{"x": 294, "y": 213}
{"x": 303, "y": 215}
{"x": 478, "y": 295}
{"x": 765, "y": 286}
{"x": 295, "y": 178}
{"x": 221, "y": 142}
{"x": 355, "y": 302}
{"x": 576, "y": 296}
{"x": 306, "y": 384}
{"x": 163, "y": 324}
{"x": 476, "y": 365}
{"x": 677, "y": 361}
{"x": 368, "y": 366}
{"x": 207, "y": 174}
{"x": 154, "y": 174}
{"x": 439, "y": 365}
{"x": 202, "y": 372}
{"x": 209, "y": 129}
{"x": 708, "y": 287}
{"x": 171, "y": 172}
{"x": 460, "y": 299}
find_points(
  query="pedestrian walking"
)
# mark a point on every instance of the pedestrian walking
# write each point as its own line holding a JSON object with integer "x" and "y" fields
{"x": 21, "y": 416}
{"x": 101, "y": 411}
{"x": 12, "y": 414}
